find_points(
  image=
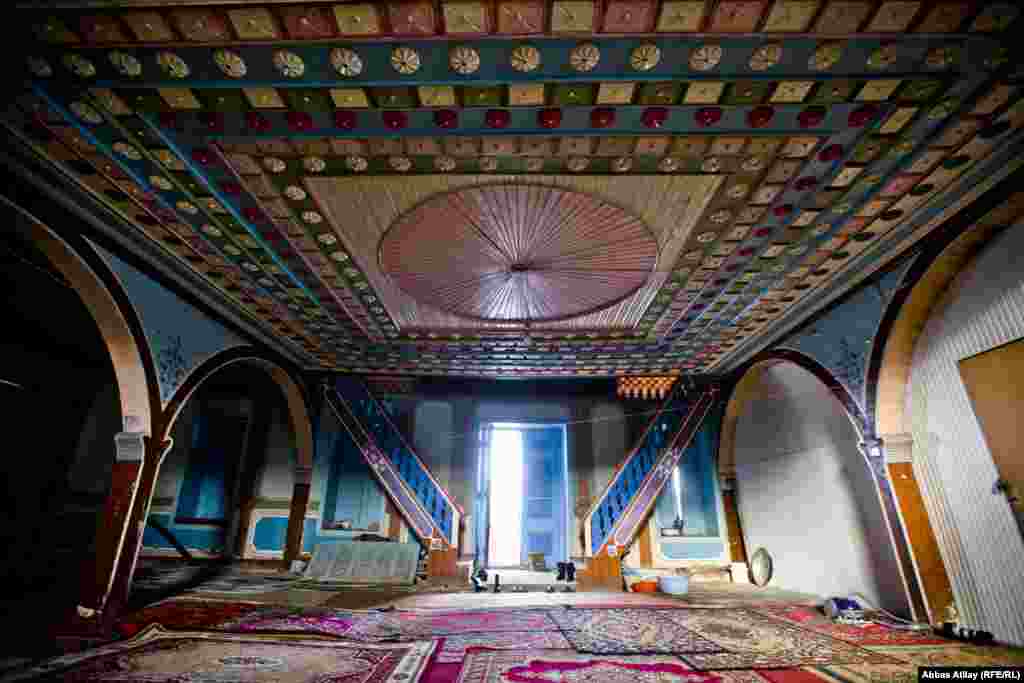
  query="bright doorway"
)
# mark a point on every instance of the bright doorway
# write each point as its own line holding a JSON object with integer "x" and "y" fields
{"x": 522, "y": 494}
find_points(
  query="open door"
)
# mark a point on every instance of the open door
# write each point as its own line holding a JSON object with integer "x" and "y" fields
{"x": 482, "y": 502}
{"x": 544, "y": 493}
{"x": 995, "y": 384}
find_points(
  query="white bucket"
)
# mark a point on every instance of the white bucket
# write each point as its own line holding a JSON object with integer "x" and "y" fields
{"x": 674, "y": 585}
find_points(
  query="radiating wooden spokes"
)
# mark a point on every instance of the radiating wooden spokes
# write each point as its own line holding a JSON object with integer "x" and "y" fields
{"x": 518, "y": 253}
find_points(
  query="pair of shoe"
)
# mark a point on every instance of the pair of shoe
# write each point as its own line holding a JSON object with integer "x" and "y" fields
{"x": 969, "y": 635}
{"x": 566, "y": 572}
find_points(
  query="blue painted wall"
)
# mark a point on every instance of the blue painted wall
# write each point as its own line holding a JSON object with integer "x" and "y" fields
{"x": 350, "y": 492}
{"x": 193, "y": 537}
{"x": 842, "y": 339}
{"x": 701, "y": 500}
{"x": 179, "y": 336}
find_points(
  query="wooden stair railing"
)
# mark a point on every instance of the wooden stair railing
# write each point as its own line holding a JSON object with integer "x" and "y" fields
{"x": 619, "y": 513}
{"x": 428, "y": 509}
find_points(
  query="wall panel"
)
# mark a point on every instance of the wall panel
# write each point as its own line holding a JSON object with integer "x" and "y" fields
{"x": 977, "y": 534}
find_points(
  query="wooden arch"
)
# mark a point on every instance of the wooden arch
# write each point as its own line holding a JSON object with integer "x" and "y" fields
{"x": 118, "y": 323}
{"x": 899, "y": 330}
{"x": 299, "y": 410}
{"x": 746, "y": 385}
{"x": 889, "y": 369}
{"x": 295, "y": 395}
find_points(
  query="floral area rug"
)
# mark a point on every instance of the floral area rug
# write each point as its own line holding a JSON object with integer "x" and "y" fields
{"x": 310, "y": 621}
{"x": 870, "y": 634}
{"x": 184, "y": 615}
{"x": 453, "y": 649}
{"x": 159, "y": 656}
{"x": 410, "y": 625}
{"x": 628, "y": 631}
{"x": 245, "y": 583}
{"x": 530, "y": 666}
{"x": 750, "y": 640}
{"x": 907, "y": 659}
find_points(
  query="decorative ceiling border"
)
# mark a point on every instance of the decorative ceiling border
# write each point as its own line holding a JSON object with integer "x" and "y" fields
{"x": 883, "y": 142}
{"x": 110, "y": 221}
{"x": 229, "y": 22}
{"x": 161, "y": 225}
{"x": 946, "y": 112}
{"x": 384, "y": 69}
{"x": 216, "y": 222}
{"x": 941, "y": 208}
{"x": 898, "y": 183}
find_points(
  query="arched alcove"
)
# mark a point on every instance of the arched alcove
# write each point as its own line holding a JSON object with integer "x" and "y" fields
{"x": 76, "y": 371}
{"x": 805, "y": 491}
{"x": 965, "y": 302}
{"x": 289, "y": 442}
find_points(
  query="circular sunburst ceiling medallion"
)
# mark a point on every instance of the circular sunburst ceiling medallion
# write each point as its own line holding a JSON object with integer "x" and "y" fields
{"x": 518, "y": 253}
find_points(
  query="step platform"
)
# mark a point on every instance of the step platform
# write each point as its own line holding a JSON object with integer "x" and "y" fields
{"x": 526, "y": 581}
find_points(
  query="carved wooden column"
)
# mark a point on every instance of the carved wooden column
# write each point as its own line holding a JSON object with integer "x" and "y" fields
{"x": 931, "y": 570}
{"x": 297, "y": 515}
{"x": 98, "y": 575}
{"x": 117, "y": 596}
{"x": 581, "y": 440}
{"x": 255, "y": 461}
{"x": 874, "y": 453}
{"x": 737, "y": 548}
{"x": 462, "y": 483}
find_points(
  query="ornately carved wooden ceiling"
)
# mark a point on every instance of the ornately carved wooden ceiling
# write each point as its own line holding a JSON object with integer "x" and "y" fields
{"x": 524, "y": 187}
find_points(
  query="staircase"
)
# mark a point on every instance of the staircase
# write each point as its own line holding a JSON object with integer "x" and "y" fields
{"x": 621, "y": 510}
{"x": 431, "y": 513}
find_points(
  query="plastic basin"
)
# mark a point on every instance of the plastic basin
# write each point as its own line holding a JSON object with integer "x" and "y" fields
{"x": 674, "y": 585}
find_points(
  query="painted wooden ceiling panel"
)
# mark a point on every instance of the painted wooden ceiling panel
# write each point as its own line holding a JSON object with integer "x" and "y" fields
{"x": 363, "y": 209}
{"x": 772, "y": 147}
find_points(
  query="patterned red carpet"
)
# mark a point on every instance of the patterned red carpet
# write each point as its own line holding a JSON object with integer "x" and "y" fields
{"x": 202, "y": 642}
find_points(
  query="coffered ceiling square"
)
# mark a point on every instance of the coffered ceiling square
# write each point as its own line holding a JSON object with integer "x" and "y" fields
{"x": 254, "y": 23}
{"x": 678, "y": 16}
{"x": 615, "y": 93}
{"x": 791, "y": 16}
{"x": 526, "y": 94}
{"x": 737, "y": 16}
{"x": 463, "y": 17}
{"x": 703, "y": 92}
{"x": 573, "y": 16}
{"x": 893, "y": 16}
{"x": 149, "y": 26}
{"x": 520, "y": 16}
{"x": 357, "y": 19}
{"x": 944, "y": 17}
{"x": 843, "y": 16}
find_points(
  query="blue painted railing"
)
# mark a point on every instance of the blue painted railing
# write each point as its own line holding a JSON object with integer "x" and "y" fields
{"x": 401, "y": 460}
{"x": 676, "y": 415}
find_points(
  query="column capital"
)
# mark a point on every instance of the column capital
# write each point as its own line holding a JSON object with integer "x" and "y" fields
{"x": 889, "y": 448}
{"x": 130, "y": 447}
{"x": 896, "y": 439}
{"x": 899, "y": 448}
{"x": 873, "y": 450}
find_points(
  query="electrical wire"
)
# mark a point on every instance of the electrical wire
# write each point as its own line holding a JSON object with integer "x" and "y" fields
{"x": 897, "y": 622}
{"x": 617, "y": 418}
